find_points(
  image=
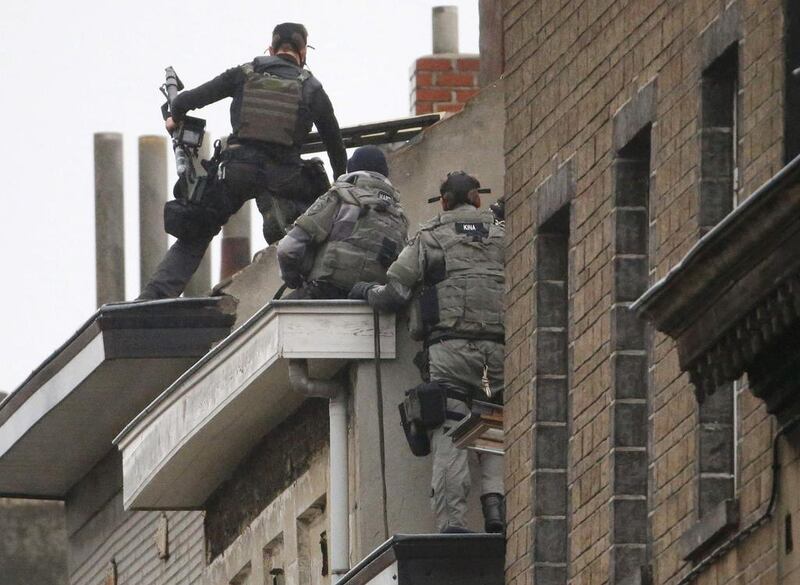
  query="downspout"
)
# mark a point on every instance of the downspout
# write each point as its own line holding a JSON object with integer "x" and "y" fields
{"x": 336, "y": 392}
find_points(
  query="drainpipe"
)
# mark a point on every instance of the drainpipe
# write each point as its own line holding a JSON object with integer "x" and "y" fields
{"x": 335, "y": 391}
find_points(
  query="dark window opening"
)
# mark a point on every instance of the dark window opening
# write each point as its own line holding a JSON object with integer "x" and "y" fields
{"x": 792, "y": 53}
{"x": 631, "y": 339}
{"x": 323, "y": 545}
{"x": 551, "y": 391}
{"x": 718, "y": 139}
{"x": 718, "y": 196}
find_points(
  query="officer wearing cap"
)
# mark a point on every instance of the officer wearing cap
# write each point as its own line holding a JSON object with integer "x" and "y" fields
{"x": 275, "y": 101}
{"x": 352, "y": 233}
{"x": 454, "y": 271}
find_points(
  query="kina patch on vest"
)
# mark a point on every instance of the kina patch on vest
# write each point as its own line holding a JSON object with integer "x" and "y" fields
{"x": 477, "y": 229}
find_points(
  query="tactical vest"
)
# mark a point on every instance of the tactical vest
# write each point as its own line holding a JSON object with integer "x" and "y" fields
{"x": 270, "y": 107}
{"x": 463, "y": 289}
{"x": 368, "y": 234}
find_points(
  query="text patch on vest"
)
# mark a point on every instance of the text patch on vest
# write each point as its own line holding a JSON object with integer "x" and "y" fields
{"x": 480, "y": 230}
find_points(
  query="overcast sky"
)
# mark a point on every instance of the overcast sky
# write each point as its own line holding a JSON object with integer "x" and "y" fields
{"x": 70, "y": 69}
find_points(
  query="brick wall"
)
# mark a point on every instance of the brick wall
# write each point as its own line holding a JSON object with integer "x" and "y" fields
{"x": 443, "y": 82}
{"x": 571, "y": 67}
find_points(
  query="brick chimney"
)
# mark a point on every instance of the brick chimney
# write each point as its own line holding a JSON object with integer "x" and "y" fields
{"x": 445, "y": 80}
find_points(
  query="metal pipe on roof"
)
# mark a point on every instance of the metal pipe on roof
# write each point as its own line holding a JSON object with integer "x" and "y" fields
{"x": 200, "y": 283}
{"x": 152, "y": 196}
{"x": 235, "y": 248}
{"x": 109, "y": 215}
{"x": 445, "y": 29}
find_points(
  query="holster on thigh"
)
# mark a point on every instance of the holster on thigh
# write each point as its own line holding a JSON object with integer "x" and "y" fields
{"x": 190, "y": 221}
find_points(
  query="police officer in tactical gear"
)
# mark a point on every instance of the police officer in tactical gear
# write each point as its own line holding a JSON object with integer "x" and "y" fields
{"x": 352, "y": 233}
{"x": 275, "y": 102}
{"x": 454, "y": 270}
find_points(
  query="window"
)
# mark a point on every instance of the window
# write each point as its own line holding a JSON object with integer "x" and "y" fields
{"x": 551, "y": 378}
{"x": 718, "y": 196}
{"x": 718, "y": 139}
{"x": 630, "y": 341}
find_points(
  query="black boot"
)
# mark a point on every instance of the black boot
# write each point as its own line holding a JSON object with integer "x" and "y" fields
{"x": 494, "y": 512}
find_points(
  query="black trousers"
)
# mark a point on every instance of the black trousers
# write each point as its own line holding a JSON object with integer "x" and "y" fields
{"x": 282, "y": 190}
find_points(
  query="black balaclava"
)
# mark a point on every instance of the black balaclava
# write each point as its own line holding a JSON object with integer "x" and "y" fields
{"x": 368, "y": 158}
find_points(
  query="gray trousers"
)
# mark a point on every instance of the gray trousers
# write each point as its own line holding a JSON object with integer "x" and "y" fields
{"x": 459, "y": 363}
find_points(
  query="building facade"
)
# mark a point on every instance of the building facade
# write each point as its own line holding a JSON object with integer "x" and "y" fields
{"x": 632, "y": 130}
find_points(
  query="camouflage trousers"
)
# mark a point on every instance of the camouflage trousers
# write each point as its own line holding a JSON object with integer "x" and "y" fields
{"x": 460, "y": 364}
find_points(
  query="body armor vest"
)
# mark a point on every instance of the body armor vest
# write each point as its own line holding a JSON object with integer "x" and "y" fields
{"x": 270, "y": 107}
{"x": 463, "y": 288}
{"x": 368, "y": 233}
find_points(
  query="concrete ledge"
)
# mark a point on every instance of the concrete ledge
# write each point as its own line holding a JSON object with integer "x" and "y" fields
{"x": 189, "y": 440}
{"x": 717, "y": 523}
{"x": 433, "y": 559}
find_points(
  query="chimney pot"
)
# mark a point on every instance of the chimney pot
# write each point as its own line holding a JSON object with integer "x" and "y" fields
{"x": 445, "y": 29}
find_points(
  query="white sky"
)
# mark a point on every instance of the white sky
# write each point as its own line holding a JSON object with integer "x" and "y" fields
{"x": 70, "y": 69}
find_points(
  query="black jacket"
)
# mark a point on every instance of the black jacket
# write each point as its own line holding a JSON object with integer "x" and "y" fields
{"x": 319, "y": 110}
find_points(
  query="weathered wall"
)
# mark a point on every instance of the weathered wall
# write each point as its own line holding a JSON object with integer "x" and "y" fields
{"x": 103, "y": 538}
{"x": 278, "y": 460}
{"x": 471, "y": 140}
{"x": 285, "y": 536}
{"x": 255, "y": 285}
{"x": 33, "y": 542}
{"x": 408, "y": 478}
{"x": 570, "y": 68}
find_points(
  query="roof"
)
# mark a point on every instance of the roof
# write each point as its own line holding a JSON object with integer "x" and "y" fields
{"x": 60, "y": 421}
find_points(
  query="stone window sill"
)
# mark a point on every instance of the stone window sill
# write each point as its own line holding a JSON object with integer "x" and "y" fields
{"x": 709, "y": 530}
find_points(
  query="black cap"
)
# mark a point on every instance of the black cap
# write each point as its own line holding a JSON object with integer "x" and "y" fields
{"x": 290, "y": 33}
{"x": 368, "y": 158}
{"x": 459, "y": 184}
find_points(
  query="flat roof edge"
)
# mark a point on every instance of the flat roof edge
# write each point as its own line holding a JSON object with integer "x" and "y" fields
{"x": 192, "y": 313}
{"x": 268, "y": 312}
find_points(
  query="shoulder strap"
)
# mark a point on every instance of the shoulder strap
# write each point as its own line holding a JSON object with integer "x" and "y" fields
{"x": 346, "y": 195}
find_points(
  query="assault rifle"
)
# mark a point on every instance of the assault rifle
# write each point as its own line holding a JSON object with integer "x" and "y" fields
{"x": 187, "y": 137}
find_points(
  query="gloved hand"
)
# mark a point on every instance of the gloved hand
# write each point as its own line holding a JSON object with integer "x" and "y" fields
{"x": 293, "y": 280}
{"x": 360, "y": 290}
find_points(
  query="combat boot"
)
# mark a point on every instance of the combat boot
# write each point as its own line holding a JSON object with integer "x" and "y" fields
{"x": 494, "y": 512}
